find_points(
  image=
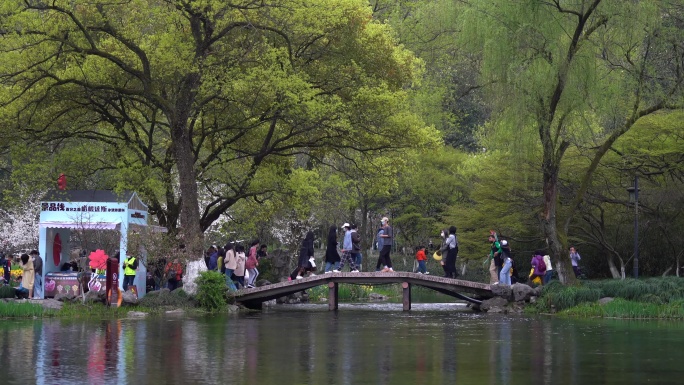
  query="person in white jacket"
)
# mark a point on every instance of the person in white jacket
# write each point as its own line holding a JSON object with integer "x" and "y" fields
{"x": 549, "y": 269}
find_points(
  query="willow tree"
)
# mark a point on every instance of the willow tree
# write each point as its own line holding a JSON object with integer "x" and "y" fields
{"x": 574, "y": 73}
{"x": 214, "y": 95}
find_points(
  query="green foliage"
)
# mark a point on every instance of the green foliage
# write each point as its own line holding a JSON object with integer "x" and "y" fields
{"x": 211, "y": 289}
{"x": 656, "y": 290}
{"x": 6, "y": 291}
{"x": 22, "y": 310}
{"x": 78, "y": 310}
{"x": 557, "y": 297}
{"x": 345, "y": 292}
{"x": 177, "y": 298}
{"x": 306, "y": 79}
{"x": 622, "y": 308}
{"x": 648, "y": 298}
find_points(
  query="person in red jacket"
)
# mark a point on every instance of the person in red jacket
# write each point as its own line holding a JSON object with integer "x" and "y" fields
{"x": 174, "y": 274}
{"x": 422, "y": 260}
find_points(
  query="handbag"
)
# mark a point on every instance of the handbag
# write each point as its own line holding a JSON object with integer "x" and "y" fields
{"x": 171, "y": 274}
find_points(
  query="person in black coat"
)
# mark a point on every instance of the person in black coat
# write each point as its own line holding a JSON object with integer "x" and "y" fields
{"x": 332, "y": 256}
{"x": 305, "y": 262}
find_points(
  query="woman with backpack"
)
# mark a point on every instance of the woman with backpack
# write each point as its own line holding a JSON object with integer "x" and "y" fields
{"x": 538, "y": 265}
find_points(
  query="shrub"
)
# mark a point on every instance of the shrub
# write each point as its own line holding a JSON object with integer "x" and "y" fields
{"x": 559, "y": 297}
{"x": 656, "y": 290}
{"x": 6, "y": 291}
{"x": 211, "y": 288}
{"x": 176, "y": 298}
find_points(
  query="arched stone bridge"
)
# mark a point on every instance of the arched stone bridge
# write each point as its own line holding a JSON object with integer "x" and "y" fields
{"x": 253, "y": 298}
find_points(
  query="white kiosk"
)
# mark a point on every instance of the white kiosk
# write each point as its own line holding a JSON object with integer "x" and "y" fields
{"x": 62, "y": 211}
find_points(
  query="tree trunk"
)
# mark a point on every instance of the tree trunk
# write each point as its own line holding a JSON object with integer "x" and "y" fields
{"x": 549, "y": 224}
{"x": 614, "y": 272}
{"x": 185, "y": 162}
{"x": 189, "y": 214}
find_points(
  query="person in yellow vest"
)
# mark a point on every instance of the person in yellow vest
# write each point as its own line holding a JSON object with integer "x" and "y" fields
{"x": 130, "y": 268}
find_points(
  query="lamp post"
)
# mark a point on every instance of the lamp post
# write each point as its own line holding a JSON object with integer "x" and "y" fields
{"x": 634, "y": 198}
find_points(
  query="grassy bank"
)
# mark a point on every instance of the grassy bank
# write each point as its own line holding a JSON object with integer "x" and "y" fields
{"x": 657, "y": 298}
{"x": 622, "y": 308}
{"x": 23, "y": 310}
{"x": 151, "y": 304}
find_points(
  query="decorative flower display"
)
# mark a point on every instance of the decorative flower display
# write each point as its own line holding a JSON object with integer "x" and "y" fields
{"x": 98, "y": 259}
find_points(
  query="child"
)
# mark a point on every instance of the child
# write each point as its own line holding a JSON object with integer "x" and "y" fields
{"x": 422, "y": 259}
{"x": 20, "y": 291}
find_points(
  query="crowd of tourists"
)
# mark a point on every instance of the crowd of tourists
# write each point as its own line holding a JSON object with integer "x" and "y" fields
{"x": 503, "y": 270}
{"x": 30, "y": 282}
{"x": 239, "y": 265}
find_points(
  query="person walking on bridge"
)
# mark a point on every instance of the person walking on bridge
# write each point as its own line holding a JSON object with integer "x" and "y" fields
{"x": 356, "y": 246}
{"x": 332, "y": 257}
{"x": 252, "y": 263}
{"x": 231, "y": 264}
{"x": 451, "y": 249}
{"x": 306, "y": 252}
{"x": 347, "y": 246}
{"x": 387, "y": 239}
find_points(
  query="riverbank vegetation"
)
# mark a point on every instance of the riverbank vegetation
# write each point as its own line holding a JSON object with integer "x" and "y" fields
{"x": 628, "y": 298}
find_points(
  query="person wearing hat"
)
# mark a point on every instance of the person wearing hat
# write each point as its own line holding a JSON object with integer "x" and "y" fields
{"x": 38, "y": 278}
{"x": 387, "y": 237}
{"x": 505, "y": 274}
{"x": 347, "y": 247}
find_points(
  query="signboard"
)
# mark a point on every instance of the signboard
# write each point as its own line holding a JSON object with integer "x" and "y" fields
{"x": 112, "y": 283}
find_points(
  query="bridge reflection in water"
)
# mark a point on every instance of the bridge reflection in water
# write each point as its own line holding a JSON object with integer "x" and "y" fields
{"x": 253, "y": 298}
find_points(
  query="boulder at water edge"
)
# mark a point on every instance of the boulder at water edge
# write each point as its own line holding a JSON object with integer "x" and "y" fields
{"x": 503, "y": 291}
{"x": 128, "y": 298}
{"x": 522, "y": 292}
{"x": 494, "y": 305}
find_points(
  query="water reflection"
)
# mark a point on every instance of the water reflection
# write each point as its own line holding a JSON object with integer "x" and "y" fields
{"x": 357, "y": 345}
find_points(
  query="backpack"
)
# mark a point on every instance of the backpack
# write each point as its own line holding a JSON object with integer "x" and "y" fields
{"x": 356, "y": 241}
{"x": 541, "y": 265}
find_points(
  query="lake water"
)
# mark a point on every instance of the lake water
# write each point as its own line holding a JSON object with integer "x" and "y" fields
{"x": 359, "y": 344}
